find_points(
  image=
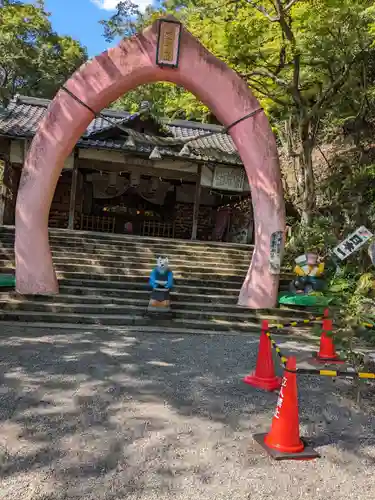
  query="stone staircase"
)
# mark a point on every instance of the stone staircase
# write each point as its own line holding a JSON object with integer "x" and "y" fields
{"x": 103, "y": 285}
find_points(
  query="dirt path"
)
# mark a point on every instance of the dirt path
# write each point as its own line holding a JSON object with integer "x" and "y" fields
{"x": 90, "y": 416}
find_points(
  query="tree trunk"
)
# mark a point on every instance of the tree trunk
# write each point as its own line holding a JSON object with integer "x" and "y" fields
{"x": 308, "y": 196}
{"x": 299, "y": 147}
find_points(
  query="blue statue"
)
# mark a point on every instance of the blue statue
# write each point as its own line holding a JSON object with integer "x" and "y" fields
{"x": 161, "y": 283}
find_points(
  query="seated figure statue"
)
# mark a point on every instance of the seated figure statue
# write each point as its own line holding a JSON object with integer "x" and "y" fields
{"x": 161, "y": 283}
{"x": 309, "y": 274}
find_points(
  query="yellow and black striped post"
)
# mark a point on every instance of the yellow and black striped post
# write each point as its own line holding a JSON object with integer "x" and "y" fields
{"x": 336, "y": 373}
{"x": 307, "y": 321}
{"x": 324, "y": 373}
{"x": 283, "y": 358}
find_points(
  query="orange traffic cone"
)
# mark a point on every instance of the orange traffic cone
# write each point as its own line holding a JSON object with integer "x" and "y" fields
{"x": 264, "y": 376}
{"x": 327, "y": 350}
{"x": 283, "y": 441}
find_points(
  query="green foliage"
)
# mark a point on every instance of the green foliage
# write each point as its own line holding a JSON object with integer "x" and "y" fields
{"x": 352, "y": 285}
{"x": 355, "y": 304}
{"x": 319, "y": 237}
{"x": 125, "y": 22}
{"x": 307, "y": 61}
{"x": 165, "y": 99}
{"x": 327, "y": 36}
{"x": 350, "y": 191}
{"x": 35, "y": 59}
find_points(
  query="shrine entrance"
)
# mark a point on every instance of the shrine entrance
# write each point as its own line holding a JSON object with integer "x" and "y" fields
{"x": 163, "y": 52}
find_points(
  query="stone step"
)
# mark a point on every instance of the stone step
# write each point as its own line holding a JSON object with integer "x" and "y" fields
{"x": 130, "y": 259}
{"x": 140, "y": 247}
{"x": 116, "y": 310}
{"x": 132, "y": 274}
{"x": 71, "y": 303}
{"x": 82, "y": 293}
{"x": 89, "y": 236}
{"x": 125, "y": 320}
{"x": 147, "y": 329}
{"x": 141, "y": 283}
{"x": 8, "y": 252}
{"x": 103, "y": 283}
{"x": 195, "y": 278}
{"x": 123, "y": 286}
{"x": 91, "y": 267}
{"x": 134, "y": 297}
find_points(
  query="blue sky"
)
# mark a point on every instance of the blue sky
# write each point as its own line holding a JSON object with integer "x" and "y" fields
{"x": 80, "y": 19}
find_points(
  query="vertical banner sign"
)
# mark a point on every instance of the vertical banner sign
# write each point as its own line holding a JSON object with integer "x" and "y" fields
{"x": 168, "y": 46}
{"x": 352, "y": 243}
{"x": 276, "y": 251}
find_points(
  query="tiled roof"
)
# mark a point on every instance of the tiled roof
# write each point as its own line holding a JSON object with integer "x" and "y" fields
{"x": 22, "y": 119}
{"x": 25, "y": 113}
{"x": 100, "y": 125}
{"x": 220, "y": 142}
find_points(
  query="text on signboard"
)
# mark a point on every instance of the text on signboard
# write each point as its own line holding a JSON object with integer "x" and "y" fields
{"x": 168, "y": 41}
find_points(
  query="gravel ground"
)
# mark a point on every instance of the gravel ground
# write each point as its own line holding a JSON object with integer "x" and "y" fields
{"x": 85, "y": 415}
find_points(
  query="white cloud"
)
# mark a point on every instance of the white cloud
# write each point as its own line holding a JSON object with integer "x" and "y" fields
{"x": 106, "y": 4}
{"x": 112, "y": 4}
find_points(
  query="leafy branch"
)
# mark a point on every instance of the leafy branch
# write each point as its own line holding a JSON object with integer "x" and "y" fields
{"x": 280, "y": 9}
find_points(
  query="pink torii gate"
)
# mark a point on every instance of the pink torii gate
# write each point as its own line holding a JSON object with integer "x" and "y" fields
{"x": 101, "y": 81}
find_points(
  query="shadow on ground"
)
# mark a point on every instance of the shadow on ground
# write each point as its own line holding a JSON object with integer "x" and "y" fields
{"x": 95, "y": 415}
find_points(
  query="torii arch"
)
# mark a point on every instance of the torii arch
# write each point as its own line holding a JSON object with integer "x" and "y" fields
{"x": 101, "y": 81}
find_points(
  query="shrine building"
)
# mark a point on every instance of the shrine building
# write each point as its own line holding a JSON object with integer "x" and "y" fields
{"x": 131, "y": 173}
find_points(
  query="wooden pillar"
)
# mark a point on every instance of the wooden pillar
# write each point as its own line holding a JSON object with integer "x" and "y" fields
{"x": 2, "y": 195}
{"x": 3, "y": 163}
{"x": 11, "y": 182}
{"x": 197, "y": 198}
{"x": 7, "y": 183}
{"x": 73, "y": 193}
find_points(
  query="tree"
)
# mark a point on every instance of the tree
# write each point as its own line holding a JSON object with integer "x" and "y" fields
{"x": 166, "y": 99}
{"x": 302, "y": 58}
{"x": 35, "y": 60}
{"x": 298, "y": 55}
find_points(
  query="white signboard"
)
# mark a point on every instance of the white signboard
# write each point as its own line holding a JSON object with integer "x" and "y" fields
{"x": 229, "y": 179}
{"x": 352, "y": 243}
{"x": 207, "y": 175}
{"x": 276, "y": 248}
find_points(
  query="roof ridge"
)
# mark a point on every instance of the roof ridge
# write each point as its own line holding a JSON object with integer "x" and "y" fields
{"x": 196, "y": 125}
{"x": 31, "y": 101}
{"x": 122, "y": 114}
{"x": 42, "y": 102}
{"x": 205, "y": 142}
